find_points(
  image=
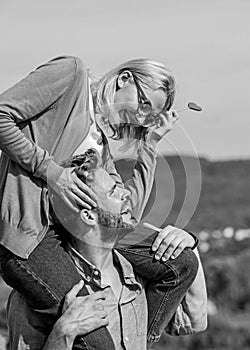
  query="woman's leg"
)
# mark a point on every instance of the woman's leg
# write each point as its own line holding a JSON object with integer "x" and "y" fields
{"x": 167, "y": 282}
{"x": 44, "y": 279}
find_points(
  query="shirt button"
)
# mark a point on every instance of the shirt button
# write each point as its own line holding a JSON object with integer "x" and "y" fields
{"x": 96, "y": 273}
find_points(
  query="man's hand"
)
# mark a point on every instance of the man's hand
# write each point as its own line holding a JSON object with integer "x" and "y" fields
{"x": 82, "y": 315}
{"x": 170, "y": 242}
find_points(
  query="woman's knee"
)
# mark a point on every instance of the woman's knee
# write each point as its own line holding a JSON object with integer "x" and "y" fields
{"x": 187, "y": 265}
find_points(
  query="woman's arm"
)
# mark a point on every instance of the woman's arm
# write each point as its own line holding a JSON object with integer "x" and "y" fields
{"x": 28, "y": 99}
{"x": 31, "y": 98}
{"x": 141, "y": 182}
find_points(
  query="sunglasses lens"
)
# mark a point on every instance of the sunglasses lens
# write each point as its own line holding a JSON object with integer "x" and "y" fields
{"x": 149, "y": 121}
{"x": 146, "y": 120}
{"x": 145, "y": 109}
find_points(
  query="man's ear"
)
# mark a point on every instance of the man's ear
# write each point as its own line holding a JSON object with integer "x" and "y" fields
{"x": 88, "y": 217}
{"x": 125, "y": 78}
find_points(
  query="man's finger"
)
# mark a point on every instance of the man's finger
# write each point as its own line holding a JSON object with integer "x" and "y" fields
{"x": 98, "y": 295}
{"x": 99, "y": 305}
{"x": 102, "y": 314}
{"x": 103, "y": 321}
{"x": 73, "y": 292}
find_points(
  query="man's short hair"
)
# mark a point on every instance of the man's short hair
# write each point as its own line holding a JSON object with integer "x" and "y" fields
{"x": 85, "y": 165}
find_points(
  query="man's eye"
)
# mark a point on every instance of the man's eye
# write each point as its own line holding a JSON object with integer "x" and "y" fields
{"x": 112, "y": 191}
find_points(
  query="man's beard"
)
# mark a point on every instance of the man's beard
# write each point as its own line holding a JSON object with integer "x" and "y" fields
{"x": 108, "y": 219}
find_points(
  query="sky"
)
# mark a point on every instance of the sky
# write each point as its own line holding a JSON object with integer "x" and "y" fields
{"x": 206, "y": 44}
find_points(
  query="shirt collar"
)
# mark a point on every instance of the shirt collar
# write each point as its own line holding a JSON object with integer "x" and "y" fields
{"x": 92, "y": 274}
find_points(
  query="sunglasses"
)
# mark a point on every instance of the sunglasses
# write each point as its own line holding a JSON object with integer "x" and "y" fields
{"x": 144, "y": 105}
{"x": 144, "y": 109}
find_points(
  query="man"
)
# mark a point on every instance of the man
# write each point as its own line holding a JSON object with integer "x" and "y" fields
{"x": 117, "y": 296}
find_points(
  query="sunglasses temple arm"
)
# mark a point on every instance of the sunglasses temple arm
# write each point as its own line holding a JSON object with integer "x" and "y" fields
{"x": 181, "y": 110}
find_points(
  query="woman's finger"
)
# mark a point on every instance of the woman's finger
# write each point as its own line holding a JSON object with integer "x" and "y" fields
{"x": 169, "y": 253}
{"x": 78, "y": 202}
{"x": 170, "y": 242}
{"x": 178, "y": 250}
{"x": 175, "y": 116}
{"x": 82, "y": 195}
{"x": 167, "y": 234}
{"x": 86, "y": 189}
{"x": 159, "y": 238}
{"x": 166, "y": 249}
{"x": 71, "y": 203}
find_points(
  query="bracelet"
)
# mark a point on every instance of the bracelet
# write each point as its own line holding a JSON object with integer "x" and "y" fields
{"x": 196, "y": 240}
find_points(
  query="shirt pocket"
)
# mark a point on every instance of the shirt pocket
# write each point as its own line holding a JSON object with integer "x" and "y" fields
{"x": 141, "y": 316}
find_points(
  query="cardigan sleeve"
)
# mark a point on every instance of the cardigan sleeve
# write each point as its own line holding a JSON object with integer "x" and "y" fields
{"x": 141, "y": 182}
{"x": 28, "y": 99}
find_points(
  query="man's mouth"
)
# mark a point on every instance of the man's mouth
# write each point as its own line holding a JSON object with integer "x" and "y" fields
{"x": 128, "y": 217}
{"x": 126, "y": 211}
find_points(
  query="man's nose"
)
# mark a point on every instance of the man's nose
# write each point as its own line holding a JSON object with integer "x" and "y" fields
{"x": 126, "y": 195}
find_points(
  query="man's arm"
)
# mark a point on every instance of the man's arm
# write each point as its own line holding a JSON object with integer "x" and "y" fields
{"x": 80, "y": 316}
{"x": 30, "y": 329}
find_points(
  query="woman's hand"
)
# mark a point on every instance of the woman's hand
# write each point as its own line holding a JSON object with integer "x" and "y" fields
{"x": 72, "y": 191}
{"x": 164, "y": 123}
{"x": 170, "y": 242}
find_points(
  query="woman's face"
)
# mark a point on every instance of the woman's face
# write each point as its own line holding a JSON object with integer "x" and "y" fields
{"x": 126, "y": 103}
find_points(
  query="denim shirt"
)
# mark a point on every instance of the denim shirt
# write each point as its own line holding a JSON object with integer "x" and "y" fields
{"x": 29, "y": 329}
{"x": 43, "y": 120}
{"x": 127, "y": 317}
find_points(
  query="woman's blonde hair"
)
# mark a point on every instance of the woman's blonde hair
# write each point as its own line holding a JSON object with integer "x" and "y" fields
{"x": 150, "y": 74}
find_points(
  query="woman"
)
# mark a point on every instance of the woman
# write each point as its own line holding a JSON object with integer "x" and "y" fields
{"x": 44, "y": 119}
